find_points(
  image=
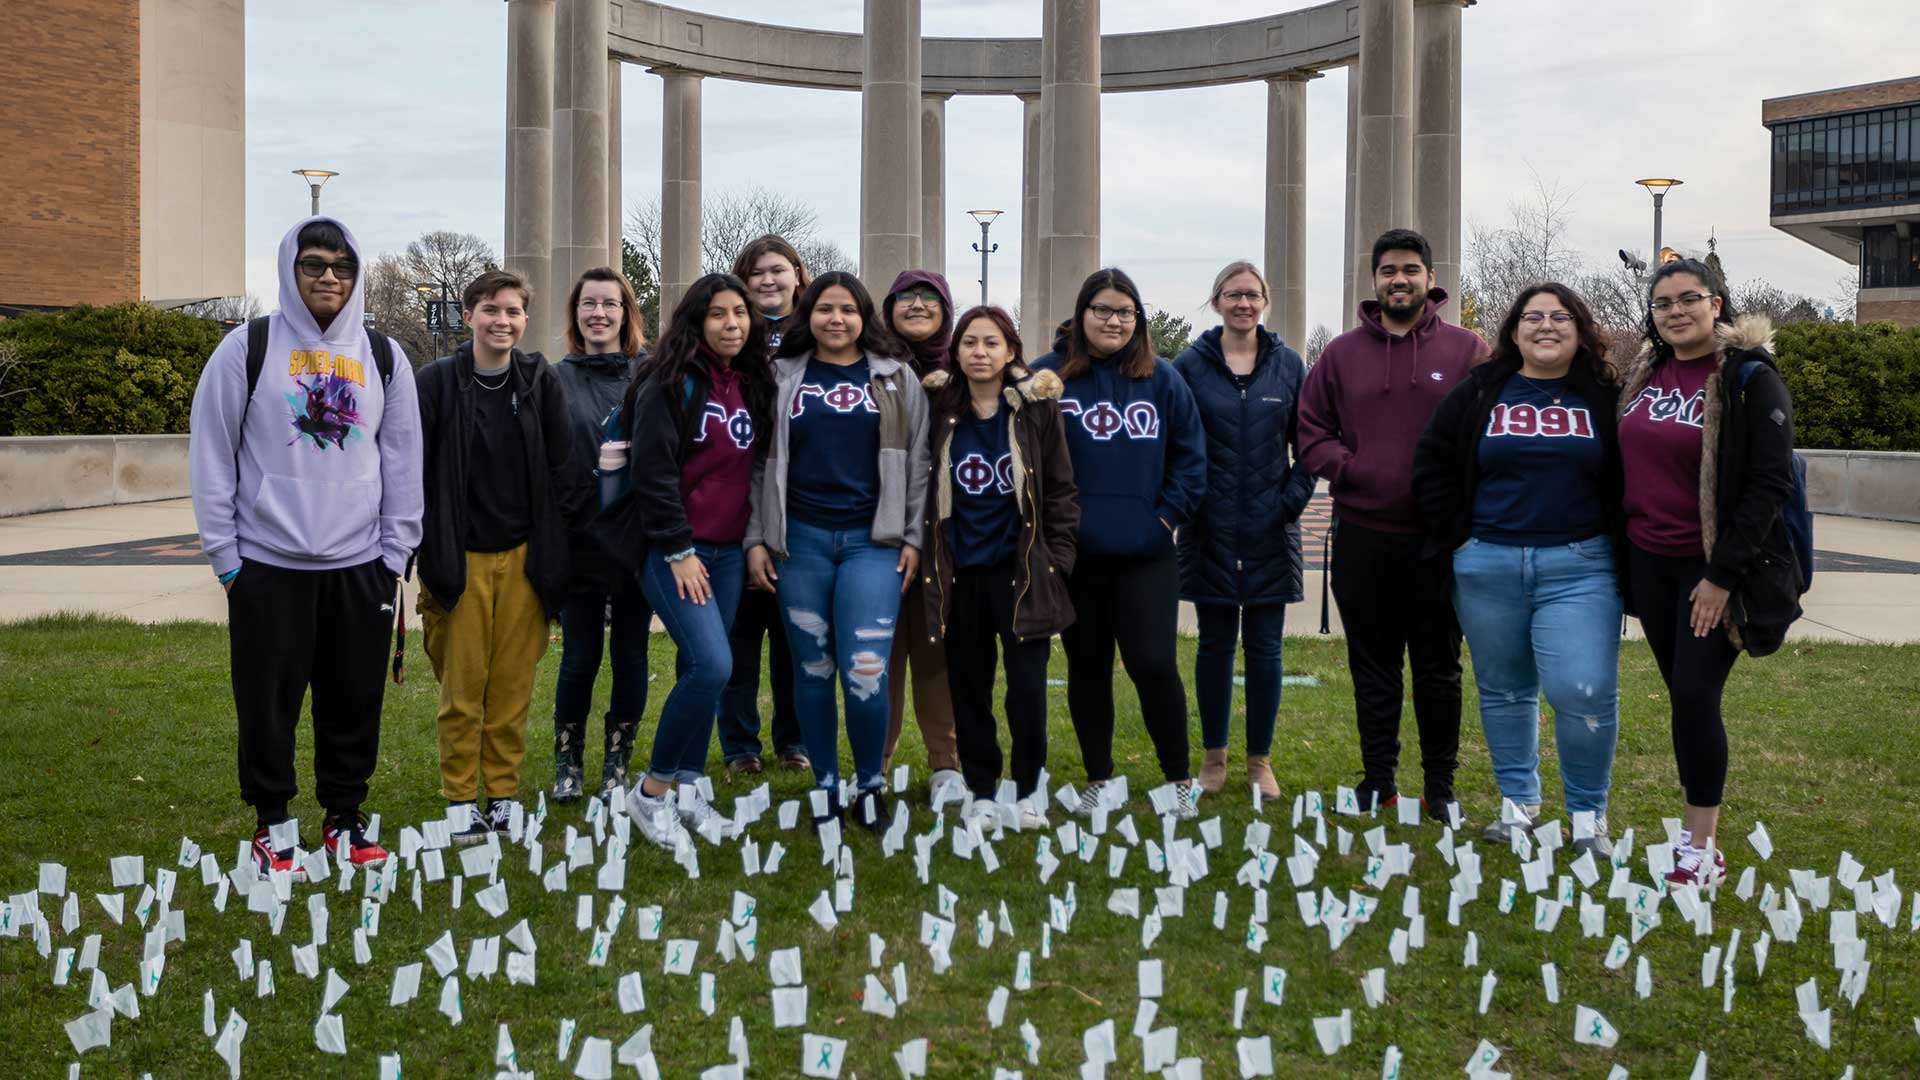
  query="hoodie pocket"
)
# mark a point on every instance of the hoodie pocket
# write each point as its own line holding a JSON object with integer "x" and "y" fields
{"x": 322, "y": 520}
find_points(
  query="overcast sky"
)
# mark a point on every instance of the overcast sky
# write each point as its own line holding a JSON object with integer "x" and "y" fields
{"x": 1590, "y": 96}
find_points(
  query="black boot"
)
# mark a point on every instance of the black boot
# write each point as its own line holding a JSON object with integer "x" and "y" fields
{"x": 619, "y": 751}
{"x": 566, "y": 762}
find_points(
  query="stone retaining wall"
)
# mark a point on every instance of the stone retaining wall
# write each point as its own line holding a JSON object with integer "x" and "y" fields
{"x": 67, "y": 472}
{"x": 1864, "y": 483}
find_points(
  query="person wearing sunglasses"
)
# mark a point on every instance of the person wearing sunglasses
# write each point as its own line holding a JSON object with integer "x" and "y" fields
{"x": 918, "y": 310}
{"x": 1706, "y": 441}
{"x": 304, "y": 464}
{"x": 1518, "y": 475}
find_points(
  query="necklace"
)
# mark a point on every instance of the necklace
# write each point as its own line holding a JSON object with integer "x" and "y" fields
{"x": 484, "y": 385}
{"x": 1554, "y": 393}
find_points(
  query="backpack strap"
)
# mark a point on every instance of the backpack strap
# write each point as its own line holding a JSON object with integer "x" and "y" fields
{"x": 382, "y": 356}
{"x": 257, "y": 330}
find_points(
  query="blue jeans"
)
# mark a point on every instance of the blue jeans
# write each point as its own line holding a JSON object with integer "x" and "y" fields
{"x": 1544, "y": 619}
{"x": 839, "y": 595}
{"x": 583, "y": 622}
{"x": 1213, "y": 671}
{"x": 685, "y": 728}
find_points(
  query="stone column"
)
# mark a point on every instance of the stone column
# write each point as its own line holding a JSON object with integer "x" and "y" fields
{"x": 890, "y": 175}
{"x": 616, "y": 213}
{"x": 579, "y": 156}
{"x": 1073, "y": 150}
{"x": 1384, "y": 166}
{"x": 1436, "y": 141}
{"x": 1030, "y": 272}
{"x": 933, "y": 182}
{"x": 679, "y": 186}
{"x": 1286, "y": 247}
{"x": 529, "y": 147}
{"x": 1043, "y": 172}
{"x": 1348, "y": 313}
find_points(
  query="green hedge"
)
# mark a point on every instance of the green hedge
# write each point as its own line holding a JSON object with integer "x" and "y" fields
{"x": 128, "y": 369}
{"x": 1854, "y": 387}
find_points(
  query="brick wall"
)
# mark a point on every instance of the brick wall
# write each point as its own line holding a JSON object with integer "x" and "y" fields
{"x": 70, "y": 152}
{"x": 1846, "y": 99}
{"x": 1904, "y": 312}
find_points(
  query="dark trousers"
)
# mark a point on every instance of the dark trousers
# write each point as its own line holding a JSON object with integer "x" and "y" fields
{"x": 979, "y": 632}
{"x": 1393, "y": 603}
{"x": 1220, "y": 626}
{"x": 1134, "y": 604}
{"x": 293, "y": 629}
{"x": 1695, "y": 668}
{"x": 739, "y": 717}
{"x": 583, "y": 630}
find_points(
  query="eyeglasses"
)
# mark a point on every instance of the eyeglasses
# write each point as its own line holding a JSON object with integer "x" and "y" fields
{"x": 1537, "y": 317}
{"x": 315, "y": 267}
{"x": 1241, "y": 297}
{"x": 923, "y": 297}
{"x": 602, "y": 305}
{"x": 1103, "y": 313}
{"x": 1682, "y": 302}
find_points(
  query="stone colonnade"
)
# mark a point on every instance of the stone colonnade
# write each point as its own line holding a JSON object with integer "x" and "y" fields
{"x": 563, "y": 210}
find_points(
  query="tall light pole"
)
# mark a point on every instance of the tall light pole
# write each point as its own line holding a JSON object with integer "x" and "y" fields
{"x": 985, "y": 218}
{"x": 316, "y": 178}
{"x": 1658, "y": 185}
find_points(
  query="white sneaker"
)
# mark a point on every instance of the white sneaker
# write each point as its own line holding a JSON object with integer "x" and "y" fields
{"x": 984, "y": 812}
{"x": 947, "y": 785}
{"x": 1186, "y": 799}
{"x": 1030, "y": 817}
{"x": 699, "y": 816}
{"x": 653, "y": 815}
{"x": 1090, "y": 797}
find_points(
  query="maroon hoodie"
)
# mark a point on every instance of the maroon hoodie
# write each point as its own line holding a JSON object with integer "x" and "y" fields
{"x": 1365, "y": 403}
{"x": 931, "y": 354}
{"x": 716, "y": 475}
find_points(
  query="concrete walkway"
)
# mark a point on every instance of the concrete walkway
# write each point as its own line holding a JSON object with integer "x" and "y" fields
{"x": 141, "y": 561}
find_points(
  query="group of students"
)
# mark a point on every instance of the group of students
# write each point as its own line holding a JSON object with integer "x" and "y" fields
{"x": 896, "y": 497}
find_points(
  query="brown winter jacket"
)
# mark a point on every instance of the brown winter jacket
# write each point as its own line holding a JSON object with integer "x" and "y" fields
{"x": 1043, "y": 492}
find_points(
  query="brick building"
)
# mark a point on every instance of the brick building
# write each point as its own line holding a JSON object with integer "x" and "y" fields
{"x": 1846, "y": 179}
{"x": 122, "y": 151}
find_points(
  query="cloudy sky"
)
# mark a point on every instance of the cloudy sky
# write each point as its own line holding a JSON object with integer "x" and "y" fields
{"x": 1587, "y": 96}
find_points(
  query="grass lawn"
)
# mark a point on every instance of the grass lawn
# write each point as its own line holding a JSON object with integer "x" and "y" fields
{"x": 118, "y": 739}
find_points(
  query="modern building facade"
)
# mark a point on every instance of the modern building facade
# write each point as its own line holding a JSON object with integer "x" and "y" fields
{"x": 1846, "y": 179}
{"x": 122, "y": 151}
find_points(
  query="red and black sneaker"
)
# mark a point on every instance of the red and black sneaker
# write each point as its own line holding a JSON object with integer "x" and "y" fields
{"x": 1690, "y": 867}
{"x": 350, "y": 829}
{"x": 266, "y": 859}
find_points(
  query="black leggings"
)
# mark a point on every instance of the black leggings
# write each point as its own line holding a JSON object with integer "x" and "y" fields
{"x": 979, "y": 631}
{"x": 1135, "y": 604}
{"x": 1695, "y": 668}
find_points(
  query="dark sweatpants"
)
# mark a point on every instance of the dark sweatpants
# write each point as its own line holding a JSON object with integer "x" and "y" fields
{"x": 1394, "y": 603}
{"x": 1695, "y": 668}
{"x": 979, "y": 631}
{"x": 291, "y": 629}
{"x": 1134, "y": 604}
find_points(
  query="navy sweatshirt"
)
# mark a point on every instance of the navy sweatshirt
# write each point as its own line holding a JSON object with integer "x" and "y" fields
{"x": 1139, "y": 456}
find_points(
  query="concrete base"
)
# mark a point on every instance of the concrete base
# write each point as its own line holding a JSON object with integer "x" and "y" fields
{"x": 61, "y": 472}
{"x": 1864, "y": 484}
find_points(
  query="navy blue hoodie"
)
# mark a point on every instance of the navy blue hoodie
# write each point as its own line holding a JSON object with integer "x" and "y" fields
{"x": 1139, "y": 455}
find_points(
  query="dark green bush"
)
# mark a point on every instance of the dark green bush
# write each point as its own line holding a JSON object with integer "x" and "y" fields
{"x": 128, "y": 369}
{"x": 1854, "y": 387}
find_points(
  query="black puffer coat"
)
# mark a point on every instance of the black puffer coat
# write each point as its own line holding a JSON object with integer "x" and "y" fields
{"x": 1243, "y": 547}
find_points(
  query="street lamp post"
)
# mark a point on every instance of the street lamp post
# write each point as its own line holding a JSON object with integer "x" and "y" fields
{"x": 1658, "y": 185}
{"x": 985, "y": 218}
{"x": 316, "y": 179}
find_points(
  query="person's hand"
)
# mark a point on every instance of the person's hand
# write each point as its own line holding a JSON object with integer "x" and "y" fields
{"x": 690, "y": 577}
{"x": 760, "y": 568}
{"x": 908, "y": 565}
{"x": 227, "y": 585}
{"x": 1709, "y": 607}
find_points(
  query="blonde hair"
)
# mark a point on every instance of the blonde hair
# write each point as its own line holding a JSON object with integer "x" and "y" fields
{"x": 1228, "y": 272}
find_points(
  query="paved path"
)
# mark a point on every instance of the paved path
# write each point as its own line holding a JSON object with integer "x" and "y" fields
{"x": 143, "y": 561}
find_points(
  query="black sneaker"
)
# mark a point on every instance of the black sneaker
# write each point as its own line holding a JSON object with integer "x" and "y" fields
{"x": 475, "y": 829}
{"x": 500, "y": 815}
{"x": 871, "y": 811}
{"x": 266, "y": 859}
{"x": 1368, "y": 791}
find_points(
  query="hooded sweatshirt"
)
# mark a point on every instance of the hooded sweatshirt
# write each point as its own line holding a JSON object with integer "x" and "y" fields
{"x": 326, "y": 472}
{"x": 1365, "y": 403}
{"x": 931, "y": 354}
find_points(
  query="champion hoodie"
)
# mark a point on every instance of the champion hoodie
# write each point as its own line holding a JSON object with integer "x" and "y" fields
{"x": 1365, "y": 403}
{"x": 323, "y": 470}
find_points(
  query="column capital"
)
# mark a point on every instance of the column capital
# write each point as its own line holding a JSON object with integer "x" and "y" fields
{"x": 1028, "y": 99}
{"x": 1445, "y": 3}
{"x": 1296, "y": 75}
{"x": 936, "y": 95}
{"x": 673, "y": 71}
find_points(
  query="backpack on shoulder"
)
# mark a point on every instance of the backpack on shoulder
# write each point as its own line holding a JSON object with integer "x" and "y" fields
{"x": 1795, "y": 513}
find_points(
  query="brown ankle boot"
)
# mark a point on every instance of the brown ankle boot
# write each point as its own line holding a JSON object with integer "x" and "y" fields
{"x": 1260, "y": 772}
{"x": 1213, "y": 771}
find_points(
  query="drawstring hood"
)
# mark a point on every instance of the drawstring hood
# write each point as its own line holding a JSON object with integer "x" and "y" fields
{"x": 1423, "y": 329}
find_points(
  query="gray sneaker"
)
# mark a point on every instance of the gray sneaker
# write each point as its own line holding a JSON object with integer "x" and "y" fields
{"x": 1500, "y": 833}
{"x": 1600, "y": 843}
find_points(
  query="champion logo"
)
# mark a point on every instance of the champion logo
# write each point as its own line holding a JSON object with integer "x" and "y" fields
{"x": 840, "y": 397}
{"x": 975, "y": 475}
{"x": 737, "y": 424}
{"x": 1102, "y": 420}
{"x": 1436, "y": 376}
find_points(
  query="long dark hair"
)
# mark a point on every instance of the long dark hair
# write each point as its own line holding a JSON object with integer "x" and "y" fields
{"x": 874, "y": 340}
{"x": 1593, "y": 344}
{"x": 953, "y": 397}
{"x": 681, "y": 352}
{"x": 1713, "y": 282}
{"x": 1135, "y": 359}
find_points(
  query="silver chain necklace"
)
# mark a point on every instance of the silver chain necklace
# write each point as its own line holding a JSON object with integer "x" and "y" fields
{"x": 1555, "y": 395}
{"x": 505, "y": 375}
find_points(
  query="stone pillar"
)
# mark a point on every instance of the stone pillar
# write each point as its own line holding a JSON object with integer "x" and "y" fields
{"x": 1348, "y": 314}
{"x": 1043, "y": 175}
{"x": 1286, "y": 247}
{"x": 890, "y": 175}
{"x": 933, "y": 182}
{"x": 616, "y": 212}
{"x": 529, "y": 147}
{"x": 1072, "y": 198}
{"x": 1436, "y": 141}
{"x": 679, "y": 186}
{"x": 579, "y": 156}
{"x": 1030, "y": 272}
{"x": 1384, "y": 165}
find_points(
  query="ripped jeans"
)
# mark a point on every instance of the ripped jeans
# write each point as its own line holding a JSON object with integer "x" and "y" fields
{"x": 1544, "y": 620}
{"x": 839, "y": 596}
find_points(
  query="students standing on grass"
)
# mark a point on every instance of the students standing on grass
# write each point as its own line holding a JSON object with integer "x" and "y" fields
{"x": 1140, "y": 463}
{"x": 605, "y": 344}
{"x": 919, "y": 311}
{"x": 835, "y": 533}
{"x": 697, "y": 409}
{"x": 308, "y": 502}
{"x": 1518, "y": 475}
{"x": 774, "y": 276}
{"x": 503, "y": 492}
{"x": 1362, "y": 408}
{"x": 1002, "y": 512}
{"x": 1240, "y": 558}
{"x": 1706, "y": 438}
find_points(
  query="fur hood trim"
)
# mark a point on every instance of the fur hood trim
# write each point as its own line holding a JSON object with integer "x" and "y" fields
{"x": 1026, "y": 386}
